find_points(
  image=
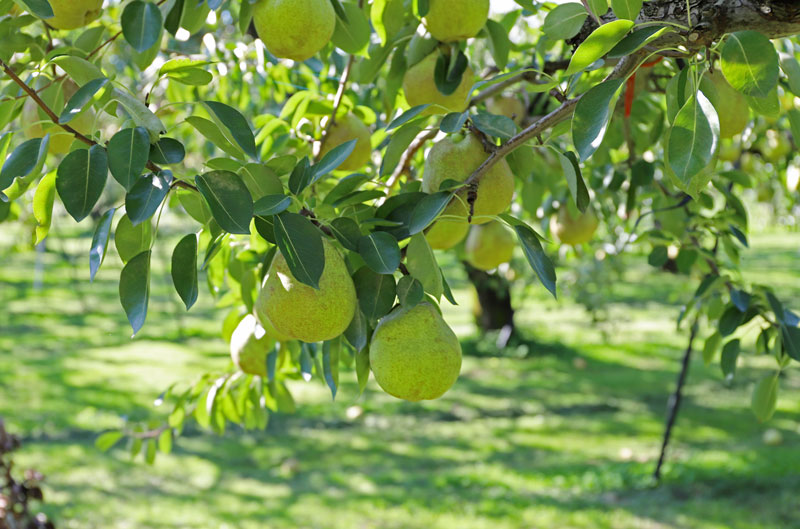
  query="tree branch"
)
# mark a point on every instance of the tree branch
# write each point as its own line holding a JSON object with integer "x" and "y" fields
{"x": 337, "y": 102}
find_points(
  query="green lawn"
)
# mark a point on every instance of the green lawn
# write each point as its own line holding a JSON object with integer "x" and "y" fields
{"x": 565, "y": 437}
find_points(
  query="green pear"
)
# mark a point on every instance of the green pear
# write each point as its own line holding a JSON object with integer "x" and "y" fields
{"x": 508, "y": 106}
{"x": 345, "y": 129}
{"x": 420, "y": 88}
{"x": 250, "y": 346}
{"x": 732, "y": 108}
{"x": 414, "y": 355}
{"x": 774, "y": 146}
{"x": 303, "y": 312}
{"x": 456, "y": 158}
{"x": 72, "y": 14}
{"x": 294, "y": 29}
{"x": 489, "y": 245}
{"x": 729, "y": 150}
{"x": 261, "y": 315}
{"x": 453, "y": 20}
{"x": 448, "y": 231}
{"x": 574, "y": 231}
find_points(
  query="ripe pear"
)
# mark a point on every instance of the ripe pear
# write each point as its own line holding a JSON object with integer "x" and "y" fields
{"x": 732, "y": 108}
{"x": 414, "y": 355}
{"x": 447, "y": 232}
{"x": 343, "y": 130}
{"x": 489, "y": 245}
{"x": 508, "y": 106}
{"x": 303, "y": 312}
{"x": 456, "y": 158}
{"x": 420, "y": 88}
{"x": 250, "y": 346}
{"x": 453, "y": 20}
{"x": 72, "y": 14}
{"x": 263, "y": 319}
{"x": 294, "y": 29}
{"x": 574, "y": 231}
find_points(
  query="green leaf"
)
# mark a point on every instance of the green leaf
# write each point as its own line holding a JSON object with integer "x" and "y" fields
{"x": 272, "y": 205}
{"x": 730, "y": 320}
{"x": 236, "y": 124}
{"x": 499, "y": 43}
{"x": 141, "y": 115}
{"x": 406, "y": 116}
{"x": 132, "y": 240}
{"x": 637, "y": 40}
{"x": 601, "y": 41}
{"x": 591, "y": 117}
{"x": 184, "y": 269}
{"x": 97, "y": 252}
{"x": 693, "y": 140}
{"x": 750, "y": 63}
{"x": 192, "y": 76}
{"x": 347, "y": 232}
{"x": 790, "y": 336}
{"x": 397, "y": 147}
{"x": 627, "y": 9}
{"x": 80, "y": 180}
{"x": 128, "y": 152}
{"x": 167, "y": 151}
{"x": 711, "y": 346}
{"x": 165, "y": 442}
{"x": 572, "y": 173}
{"x": 105, "y": 441}
{"x": 134, "y": 289}
{"x": 81, "y": 98}
{"x": 212, "y": 133}
{"x": 380, "y": 251}
{"x": 495, "y": 126}
{"x": 730, "y": 354}
{"x": 765, "y": 397}
{"x": 453, "y": 122}
{"x": 141, "y": 24}
{"x": 261, "y": 180}
{"x": 791, "y": 68}
{"x": 352, "y": 31}
{"x": 362, "y": 368}
{"x": 301, "y": 245}
{"x": 23, "y": 160}
{"x": 564, "y": 21}
{"x": 356, "y": 332}
{"x": 538, "y": 260}
{"x": 376, "y": 293}
{"x": 423, "y": 266}
{"x": 229, "y": 200}
{"x": 301, "y": 176}
{"x": 333, "y": 159}
{"x": 426, "y": 211}
{"x": 146, "y": 195}
{"x": 43, "y": 201}
{"x": 330, "y": 364}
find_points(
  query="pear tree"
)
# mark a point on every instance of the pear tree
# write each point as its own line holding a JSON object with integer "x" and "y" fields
{"x": 322, "y": 156}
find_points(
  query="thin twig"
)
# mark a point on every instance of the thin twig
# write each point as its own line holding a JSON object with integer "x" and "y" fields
{"x": 337, "y": 102}
{"x": 404, "y": 167}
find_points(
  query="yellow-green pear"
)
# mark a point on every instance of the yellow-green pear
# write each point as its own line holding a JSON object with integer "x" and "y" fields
{"x": 343, "y": 130}
{"x": 303, "y": 312}
{"x": 414, "y": 355}
{"x": 250, "y": 346}
{"x": 489, "y": 245}
{"x": 261, "y": 314}
{"x": 451, "y": 227}
{"x": 732, "y": 107}
{"x": 420, "y": 88}
{"x": 508, "y": 106}
{"x": 774, "y": 146}
{"x": 294, "y": 29}
{"x": 456, "y": 158}
{"x": 574, "y": 231}
{"x": 72, "y": 14}
{"x": 452, "y": 20}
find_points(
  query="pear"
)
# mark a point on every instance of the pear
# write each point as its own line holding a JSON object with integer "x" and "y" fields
{"x": 774, "y": 146}
{"x": 343, "y": 130}
{"x": 414, "y": 355}
{"x": 574, "y": 231}
{"x": 453, "y": 20}
{"x": 508, "y": 106}
{"x": 250, "y": 346}
{"x": 294, "y": 29}
{"x": 420, "y": 88}
{"x": 447, "y": 232}
{"x": 302, "y": 312}
{"x": 72, "y": 14}
{"x": 261, "y": 315}
{"x": 489, "y": 245}
{"x": 732, "y": 108}
{"x": 456, "y": 158}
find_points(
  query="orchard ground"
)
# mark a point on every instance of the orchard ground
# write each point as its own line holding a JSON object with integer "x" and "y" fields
{"x": 563, "y": 435}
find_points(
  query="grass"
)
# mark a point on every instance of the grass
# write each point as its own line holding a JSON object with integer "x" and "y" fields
{"x": 561, "y": 433}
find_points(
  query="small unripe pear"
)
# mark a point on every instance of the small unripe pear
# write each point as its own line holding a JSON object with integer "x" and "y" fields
{"x": 574, "y": 231}
{"x": 72, "y": 14}
{"x": 451, "y": 227}
{"x": 303, "y": 312}
{"x": 456, "y": 158}
{"x": 343, "y": 130}
{"x": 453, "y": 20}
{"x": 414, "y": 355}
{"x": 489, "y": 245}
{"x": 508, "y": 106}
{"x": 294, "y": 29}
{"x": 420, "y": 88}
{"x": 772, "y": 437}
{"x": 250, "y": 346}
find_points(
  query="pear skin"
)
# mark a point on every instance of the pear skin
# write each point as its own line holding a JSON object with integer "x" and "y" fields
{"x": 489, "y": 245}
{"x": 294, "y": 29}
{"x": 420, "y": 88}
{"x": 345, "y": 129}
{"x": 574, "y": 231}
{"x": 454, "y": 20}
{"x": 250, "y": 346}
{"x": 72, "y": 14}
{"x": 448, "y": 231}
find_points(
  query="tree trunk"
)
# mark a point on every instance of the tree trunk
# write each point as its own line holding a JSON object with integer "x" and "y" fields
{"x": 493, "y": 311}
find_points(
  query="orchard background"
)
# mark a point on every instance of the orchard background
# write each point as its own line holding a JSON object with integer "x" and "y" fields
{"x": 399, "y": 263}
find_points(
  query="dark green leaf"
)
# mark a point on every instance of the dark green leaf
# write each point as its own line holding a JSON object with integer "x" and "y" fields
{"x": 453, "y": 122}
{"x": 167, "y": 151}
{"x": 380, "y": 251}
{"x": 237, "y": 125}
{"x": 97, "y": 253}
{"x": 406, "y": 116}
{"x": 730, "y": 354}
{"x": 409, "y": 291}
{"x": 80, "y": 180}
{"x": 229, "y": 200}
{"x": 333, "y": 159}
{"x": 572, "y": 173}
{"x": 141, "y": 24}
{"x": 40, "y": 8}
{"x": 301, "y": 176}
{"x": 730, "y": 320}
{"x": 376, "y": 293}
{"x": 495, "y": 126}
{"x": 272, "y": 205}
{"x": 750, "y": 63}
{"x": 564, "y": 21}
{"x": 601, "y": 41}
{"x": 184, "y": 269}
{"x": 693, "y": 141}
{"x": 146, "y": 195}
{"x": 636, "y": 40}
{"x": 427, "y": 210}
{"x": 592, "y": 114}
{"x": 128, "y": 151}
{"x": 397, "y": 147}
{"x": 499, "y": 43}
{"x": 81, "y": 98}
{"x": 538, "y": 260}
{"x": 134, "y": 289}
{"x": 347, "y": 232}
{"x": 301, "y": 245}
{"x": 330, "y": 364}
{"x": 23, "y": 160}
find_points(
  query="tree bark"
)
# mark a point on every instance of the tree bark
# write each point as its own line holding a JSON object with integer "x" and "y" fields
{"x": 494, "y": 311}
